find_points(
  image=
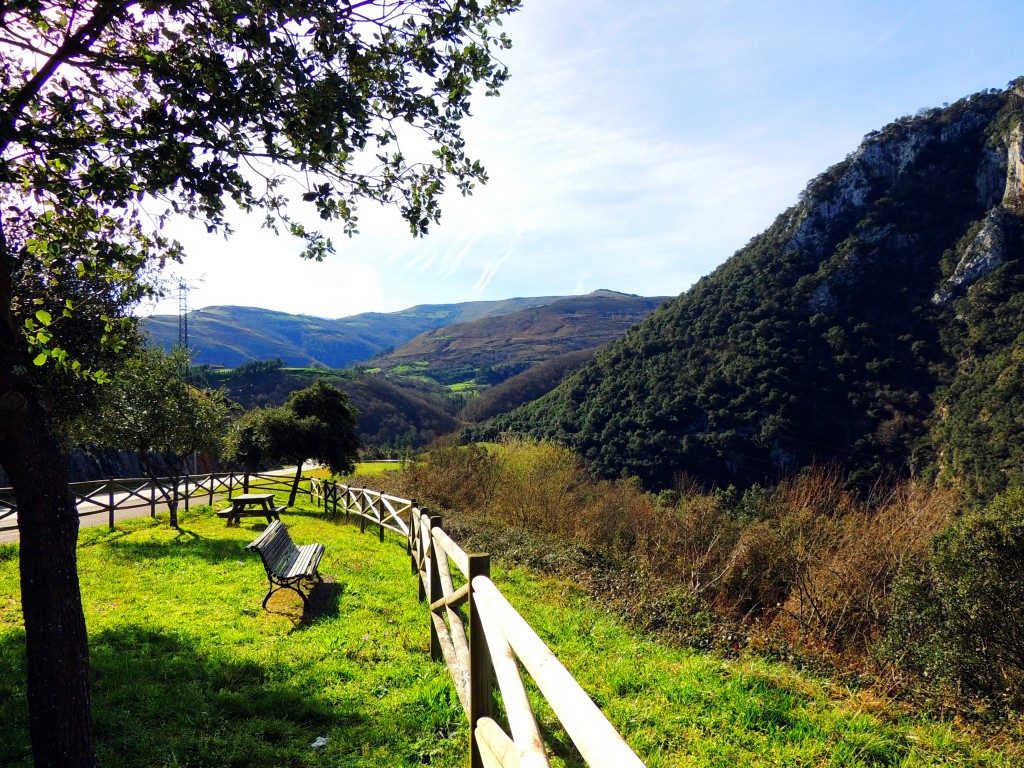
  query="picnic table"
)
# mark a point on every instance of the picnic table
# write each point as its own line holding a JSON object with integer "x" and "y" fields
{"x": 251, "y": 505}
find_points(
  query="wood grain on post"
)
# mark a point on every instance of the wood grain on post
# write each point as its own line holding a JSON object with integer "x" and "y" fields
{"x": 455, "y": 552}
{"x": 434, "y": 588}
{"x": 521, "y": 720}
{"x": 457, "y": 628}
{"x": 596, "y": 738}
{"x": 481, "y": 694}
{"x": 451, "y": 660}
{"x": 496, "y": 748}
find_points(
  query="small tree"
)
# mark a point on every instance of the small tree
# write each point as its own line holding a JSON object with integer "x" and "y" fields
{"x": 148, "y": 408}
{"x": 316, "y": 423}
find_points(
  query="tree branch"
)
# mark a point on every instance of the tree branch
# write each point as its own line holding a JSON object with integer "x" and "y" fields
{"x": 80, "y": 40}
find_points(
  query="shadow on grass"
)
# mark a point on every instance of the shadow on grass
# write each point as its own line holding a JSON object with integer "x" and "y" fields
{"x": 158, "y": 700}
{"x": 185, "y": 542}
{"x": 323, "y": 601}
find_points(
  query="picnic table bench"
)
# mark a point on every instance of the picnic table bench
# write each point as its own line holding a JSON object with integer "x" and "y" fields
{"x": 251, "y": 505}
{"x": 286, "y": 564}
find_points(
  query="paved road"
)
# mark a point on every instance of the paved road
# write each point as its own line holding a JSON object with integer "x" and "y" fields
{"x": 102, "y": 517}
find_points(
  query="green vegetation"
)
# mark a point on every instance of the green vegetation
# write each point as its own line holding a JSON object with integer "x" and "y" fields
{"x": 532, "y": 384}
{"x": 802, "y": 570}
{"x": 493, "y": 349}
{"x": 391, "y": 418}
{"x": 317, "y": 423}
{"x": 188, "y": 670}
{"x": 876, "y": 324}
{"x": 959, "y": 614}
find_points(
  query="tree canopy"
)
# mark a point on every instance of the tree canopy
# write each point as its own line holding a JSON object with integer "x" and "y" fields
{"x": 316, "y": 423}
{"x": 116, "y": 116}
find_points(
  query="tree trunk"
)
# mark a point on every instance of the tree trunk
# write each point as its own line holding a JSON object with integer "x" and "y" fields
{"x": 56, "y": 643}
{"x": 295, "y": 485}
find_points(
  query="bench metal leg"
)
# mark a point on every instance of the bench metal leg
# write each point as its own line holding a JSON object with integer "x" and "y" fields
{"x": 275, "y": 586}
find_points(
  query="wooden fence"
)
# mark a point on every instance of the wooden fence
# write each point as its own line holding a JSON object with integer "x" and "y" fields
{"x": 108, "y": 497}
{"x": 490, "y": 646}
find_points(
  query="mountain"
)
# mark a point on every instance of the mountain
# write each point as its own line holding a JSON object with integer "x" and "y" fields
{"x": 494, "y": 348}
{"x": 230, "y": 336}
{"x": 878, "y": 323}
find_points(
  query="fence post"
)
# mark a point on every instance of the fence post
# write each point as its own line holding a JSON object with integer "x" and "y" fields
{"x": 481, "y": 695}
{"x": 380, "y": 519}
{"x": 110, "y": 500}
{"x": 245, "y": 482}
{"x": 211, "y": 489}
{"x": 435, "y": 590}
{"x": 186, "y": 492}
{"x": 362, "y": 510}
{"x": 152, "y": 498}
{"x": 408, "y": 543}
{"x": 421, "y": 553}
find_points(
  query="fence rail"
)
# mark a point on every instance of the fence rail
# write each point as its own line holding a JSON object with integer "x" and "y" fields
{"x": 491, "y": 645}
{"x": 98, "y": 497}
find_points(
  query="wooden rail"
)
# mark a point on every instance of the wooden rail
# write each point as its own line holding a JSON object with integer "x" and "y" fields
{"x": 99, "y": 497}
{"x": 492, "y": 644}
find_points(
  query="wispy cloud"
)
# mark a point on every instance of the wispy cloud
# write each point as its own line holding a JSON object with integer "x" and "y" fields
{"x": 638, "y": 146}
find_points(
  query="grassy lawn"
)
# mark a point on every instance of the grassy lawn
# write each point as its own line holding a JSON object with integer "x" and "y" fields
{"x": 189, "y": 670}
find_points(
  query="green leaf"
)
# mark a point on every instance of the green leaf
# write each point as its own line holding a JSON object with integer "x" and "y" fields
{"x": 40, "y": 359}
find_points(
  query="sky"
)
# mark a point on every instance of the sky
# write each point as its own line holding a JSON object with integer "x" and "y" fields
{"x": 635, "y": 148}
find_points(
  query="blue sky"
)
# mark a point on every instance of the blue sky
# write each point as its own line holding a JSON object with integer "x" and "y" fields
{"x": 636, "y": 147}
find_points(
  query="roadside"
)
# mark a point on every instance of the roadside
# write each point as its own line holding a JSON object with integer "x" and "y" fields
{"x": 93, "y": 515}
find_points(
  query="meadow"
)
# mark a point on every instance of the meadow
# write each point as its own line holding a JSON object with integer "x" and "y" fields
{"x": 189, "y": 670}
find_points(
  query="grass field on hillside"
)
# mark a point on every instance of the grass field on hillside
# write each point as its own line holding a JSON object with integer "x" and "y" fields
{"x": 189, "y": 670}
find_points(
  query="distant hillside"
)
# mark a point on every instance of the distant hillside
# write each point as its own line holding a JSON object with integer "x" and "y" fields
{"x": 494, "y": 348}
{"x": 231, "y": 336}
{"x": 525, "y": 387}
{"x": 878, "y": 323}
{"x": 390, "y": 416}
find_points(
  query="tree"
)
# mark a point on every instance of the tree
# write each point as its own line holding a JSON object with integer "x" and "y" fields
{"x": 148, "y": 408}
{"x": 116, "y": 115}
{"x": 317, "y": 423}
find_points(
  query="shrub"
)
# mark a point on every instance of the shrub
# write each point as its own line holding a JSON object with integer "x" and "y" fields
{"x": 960, "y": 617}
{"x": 848, "y": 585}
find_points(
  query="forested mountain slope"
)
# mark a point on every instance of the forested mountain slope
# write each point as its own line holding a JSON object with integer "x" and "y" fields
{"x": 877, "y": 323}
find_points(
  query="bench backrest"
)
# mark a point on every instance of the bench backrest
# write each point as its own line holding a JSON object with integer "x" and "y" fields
{"x": 275, "y": 547}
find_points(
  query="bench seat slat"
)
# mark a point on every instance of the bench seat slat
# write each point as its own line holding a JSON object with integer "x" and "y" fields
{"x": 286, "y": 565}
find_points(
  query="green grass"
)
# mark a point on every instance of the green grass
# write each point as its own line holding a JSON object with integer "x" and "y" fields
{"x": 188, "y": 670}
{"x": 375, "y": 467}
{"x": 411, "y": 368}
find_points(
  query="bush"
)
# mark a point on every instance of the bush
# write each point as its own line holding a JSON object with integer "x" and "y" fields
{"x": 960, "y": 617}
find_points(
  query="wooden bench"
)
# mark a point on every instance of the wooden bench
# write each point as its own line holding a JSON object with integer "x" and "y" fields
{"x": 286, "y": 564}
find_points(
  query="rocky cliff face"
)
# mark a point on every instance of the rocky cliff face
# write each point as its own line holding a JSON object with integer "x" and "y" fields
{"x": 839, "y": 332}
